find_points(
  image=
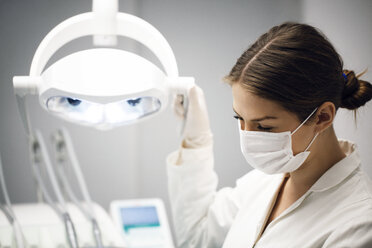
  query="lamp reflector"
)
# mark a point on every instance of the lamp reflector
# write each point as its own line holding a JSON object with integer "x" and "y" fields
{"x": 106, "y": 115}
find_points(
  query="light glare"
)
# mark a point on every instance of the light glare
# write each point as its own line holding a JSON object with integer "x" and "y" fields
{"x": 105, "y": 115}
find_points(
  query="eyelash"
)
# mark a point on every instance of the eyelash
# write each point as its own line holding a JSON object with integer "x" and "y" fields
{"x": 258, "y": 127}
{"x": 238, "y": 117}
{"x": 264, "y": 128}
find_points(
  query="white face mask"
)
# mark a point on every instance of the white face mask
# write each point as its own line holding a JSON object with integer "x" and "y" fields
{"x": 272, "y": 152}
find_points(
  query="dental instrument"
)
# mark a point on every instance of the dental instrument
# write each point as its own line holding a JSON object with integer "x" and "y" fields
{"x": 65, "y": 153}
{"x": 40, "y": 157}
{"x": 6, "y": 207}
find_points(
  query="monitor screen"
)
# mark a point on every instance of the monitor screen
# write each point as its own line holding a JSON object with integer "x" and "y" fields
{"x": 139, "y": 217}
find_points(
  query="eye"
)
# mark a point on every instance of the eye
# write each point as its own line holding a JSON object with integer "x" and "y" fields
{"x": 259, "y": 127}
{"x": 238, "y": 117}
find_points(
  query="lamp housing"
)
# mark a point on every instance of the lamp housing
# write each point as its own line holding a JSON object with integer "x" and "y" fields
{"x": 103, "y": 87}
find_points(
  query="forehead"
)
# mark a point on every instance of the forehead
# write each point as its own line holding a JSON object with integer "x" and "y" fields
{"x": 247, "y": 104}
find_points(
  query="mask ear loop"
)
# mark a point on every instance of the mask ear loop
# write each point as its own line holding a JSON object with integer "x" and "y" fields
{"x": 304, "y": 121}
{"x": 316, "y": 135}
{"x": 311, "y": 142}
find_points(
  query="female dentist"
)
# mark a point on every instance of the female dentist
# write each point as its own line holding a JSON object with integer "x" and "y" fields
{"x": 307, "y": 188}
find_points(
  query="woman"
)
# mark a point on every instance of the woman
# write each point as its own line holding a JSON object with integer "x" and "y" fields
{"x": 307, "y": 189}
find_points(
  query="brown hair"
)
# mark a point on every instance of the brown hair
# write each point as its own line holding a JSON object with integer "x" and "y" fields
{"x": 296, "y": 66}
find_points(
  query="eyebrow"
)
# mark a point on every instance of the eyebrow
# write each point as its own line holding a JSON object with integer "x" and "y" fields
{"x": 258, "y": 119}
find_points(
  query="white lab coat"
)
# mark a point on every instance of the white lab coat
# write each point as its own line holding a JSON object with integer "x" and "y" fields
{"x": 336, "y": 211}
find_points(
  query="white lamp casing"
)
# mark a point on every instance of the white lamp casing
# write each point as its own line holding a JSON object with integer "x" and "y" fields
{"x": 124, "y": 75}
{"x": 103, "y": 75}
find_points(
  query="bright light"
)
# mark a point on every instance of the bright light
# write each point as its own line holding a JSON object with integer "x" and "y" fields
{"x": 103, "y": 115}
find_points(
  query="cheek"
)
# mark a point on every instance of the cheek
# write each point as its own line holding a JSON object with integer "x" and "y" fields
{"x": 297, "y": 143}
{"x": 301, "y": 139}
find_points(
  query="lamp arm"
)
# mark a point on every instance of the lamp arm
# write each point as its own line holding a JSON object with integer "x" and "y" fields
{"x": 105, "y": 11}
{"x": 87, "y": 24}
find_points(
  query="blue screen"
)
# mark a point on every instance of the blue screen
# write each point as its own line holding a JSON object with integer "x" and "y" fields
{"x": 139, "y": 217}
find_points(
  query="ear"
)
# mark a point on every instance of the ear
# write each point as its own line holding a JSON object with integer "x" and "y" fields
{"x": 325, "y": 115}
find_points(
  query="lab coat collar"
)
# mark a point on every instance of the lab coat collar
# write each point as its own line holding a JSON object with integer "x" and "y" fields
{"x": 342, "y": 169}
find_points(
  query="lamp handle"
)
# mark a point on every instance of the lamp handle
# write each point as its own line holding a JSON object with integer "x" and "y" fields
{"x": 181, "y": 86}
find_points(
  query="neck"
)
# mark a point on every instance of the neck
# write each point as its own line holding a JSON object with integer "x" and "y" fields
{"x": 325, "y": 152}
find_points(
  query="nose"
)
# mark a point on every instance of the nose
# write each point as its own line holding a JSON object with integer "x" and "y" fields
{"x": 246, "y": 126}
{"x": 243, "y": 125}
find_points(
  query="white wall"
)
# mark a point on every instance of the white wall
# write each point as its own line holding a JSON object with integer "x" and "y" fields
{"x": 348, "y": 26}
{"x": 207, "y": 37}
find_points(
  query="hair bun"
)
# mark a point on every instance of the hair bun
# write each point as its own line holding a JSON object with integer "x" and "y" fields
{"x": 356, "y": 92}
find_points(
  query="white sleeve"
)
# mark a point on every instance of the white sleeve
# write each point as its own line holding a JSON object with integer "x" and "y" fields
{"x": 202, "y": 216}
{"x": 357, "y": 234}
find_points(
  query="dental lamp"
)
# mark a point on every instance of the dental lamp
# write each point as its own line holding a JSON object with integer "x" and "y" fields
{"x": 102, "y": 87}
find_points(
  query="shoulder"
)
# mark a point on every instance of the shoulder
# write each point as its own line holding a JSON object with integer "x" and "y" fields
{"x": 354, "y": 212}
{"x": 357, "y": 232}
{"x": 365, "y": 184}
{"x": 357, "y": 190}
